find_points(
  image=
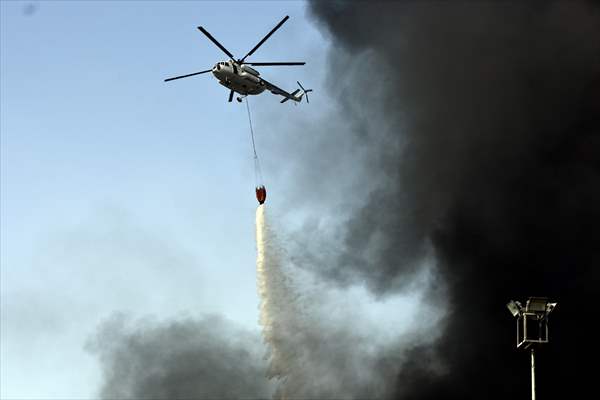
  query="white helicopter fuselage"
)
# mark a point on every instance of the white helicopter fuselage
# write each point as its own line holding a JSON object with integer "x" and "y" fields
{"x": 242, "y": 79}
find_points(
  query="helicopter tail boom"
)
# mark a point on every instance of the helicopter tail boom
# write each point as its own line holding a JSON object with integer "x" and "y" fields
{"x": 297, "y": 94}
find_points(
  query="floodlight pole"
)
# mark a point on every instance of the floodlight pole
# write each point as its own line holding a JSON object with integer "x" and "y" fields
{"x": 532, "y": 373}
{"x": 536, "y": 312}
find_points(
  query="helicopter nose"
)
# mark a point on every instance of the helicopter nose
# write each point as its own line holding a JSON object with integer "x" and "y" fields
{"x": 215, "y": 71}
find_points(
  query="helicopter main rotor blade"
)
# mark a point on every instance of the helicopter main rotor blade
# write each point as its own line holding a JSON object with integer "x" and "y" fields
{"x": 230, "y": 96}
{"x": 273, "y": 63}
{"x": 185, "y": 76}
{"x": 215, "y": 41}
{"x": 265, "y": 38}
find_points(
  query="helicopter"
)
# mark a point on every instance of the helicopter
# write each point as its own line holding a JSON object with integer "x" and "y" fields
{"x": 239, "y": 77}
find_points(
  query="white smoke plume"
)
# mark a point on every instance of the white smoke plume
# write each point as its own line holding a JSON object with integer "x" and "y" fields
{"x": 321, "y": 342}
{"x": 279, "y": 314}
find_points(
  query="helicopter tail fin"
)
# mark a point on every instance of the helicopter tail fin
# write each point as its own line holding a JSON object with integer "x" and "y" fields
{"x": 297, "y": 94}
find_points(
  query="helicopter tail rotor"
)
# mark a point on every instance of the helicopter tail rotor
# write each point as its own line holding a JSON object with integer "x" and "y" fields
{"x": 303, "y": 92}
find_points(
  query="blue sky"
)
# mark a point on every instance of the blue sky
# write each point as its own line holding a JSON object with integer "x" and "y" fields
{"x": 101, "y": 160}
{"x": 122, "y": 193}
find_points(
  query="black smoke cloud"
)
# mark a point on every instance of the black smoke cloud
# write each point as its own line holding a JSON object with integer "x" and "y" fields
{"x": 481, "y": 122}
{"x": 207, "y": 358}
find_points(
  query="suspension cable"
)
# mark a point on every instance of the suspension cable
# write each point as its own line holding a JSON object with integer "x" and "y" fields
{"x": 257, "y": 169}
{"x": 251, "y": 128}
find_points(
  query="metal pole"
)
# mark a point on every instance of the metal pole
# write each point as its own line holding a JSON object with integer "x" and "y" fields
{"x": 532, "y": 374}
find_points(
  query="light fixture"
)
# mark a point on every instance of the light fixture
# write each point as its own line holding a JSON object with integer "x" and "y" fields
{"x": 514, "y": 307}
{"x": 532, "y": 327}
